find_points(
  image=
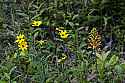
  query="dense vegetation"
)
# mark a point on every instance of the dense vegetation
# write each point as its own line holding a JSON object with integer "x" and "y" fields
{"x": 62, "y": 41}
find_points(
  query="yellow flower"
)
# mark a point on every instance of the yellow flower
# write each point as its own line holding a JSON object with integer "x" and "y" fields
{"x": 20, "y": 38}
{"x": 63, "y": 34}
{"x": 23, "y": 46}
{"x": 62, "y": 59}
{"x": 20, "y": 41}
{"x": 36, "y": 23}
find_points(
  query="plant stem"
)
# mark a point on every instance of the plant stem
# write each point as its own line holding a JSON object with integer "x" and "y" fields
{"x": 94, "y": 53}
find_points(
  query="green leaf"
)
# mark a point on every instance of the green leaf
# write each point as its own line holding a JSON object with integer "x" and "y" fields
{"x": 35, "y": 32}
{"x": 75, "y": 16}
{"x": 7, "y": 75}
{"x": 105, "y": 55}
{"x": 14, "y": 82}
{"x": 22, "y": 14}
{"x": 49, "y": 80}
{"x": 35, "y": 16}
{"x": 35, "y": 6}
{"x": 113, "y": 60}
{"x": 1, "y": 81}
{"x": 106, "y": 20}
{"x": 93, "y": 18}
{"x": 123, "y": 66}
{"x": 71, "y": 24}
{"x": 118, "y": 68}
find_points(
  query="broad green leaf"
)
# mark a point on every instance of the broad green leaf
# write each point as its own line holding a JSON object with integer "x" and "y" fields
{"x": 105, "y": 55}
{"x": 1, "y": 81}
{"x": 14, "y": 82}
{"x": 113, "y": 60}
{"x": 123, "y": 66}
{"x": 118, "y": 68}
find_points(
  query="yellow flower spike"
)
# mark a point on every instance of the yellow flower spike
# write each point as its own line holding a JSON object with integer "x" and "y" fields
{"x": 94, "y": 40}
{"x": 36, "y": 23}
{"x": 63, "y": 34}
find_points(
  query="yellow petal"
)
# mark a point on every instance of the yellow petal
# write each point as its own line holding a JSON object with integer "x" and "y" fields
{"x": 36, "y": 23}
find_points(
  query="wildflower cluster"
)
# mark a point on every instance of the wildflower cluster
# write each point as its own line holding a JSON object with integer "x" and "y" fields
{"x": 21, "y": 40}
{"x": 63, "y": 34}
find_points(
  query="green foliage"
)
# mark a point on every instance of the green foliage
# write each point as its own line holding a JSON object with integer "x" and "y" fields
{"x": 79, "y": 64}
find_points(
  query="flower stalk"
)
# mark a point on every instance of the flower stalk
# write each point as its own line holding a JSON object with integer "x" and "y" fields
{"x": 94, "y": 42}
